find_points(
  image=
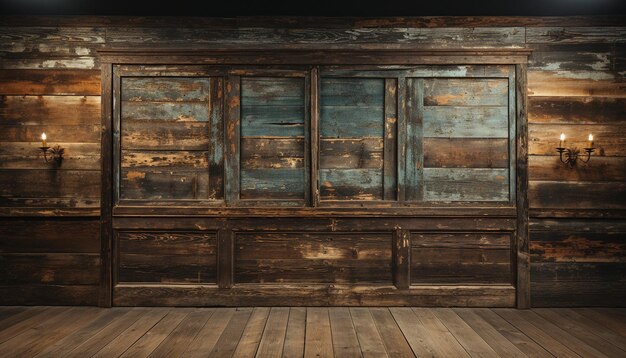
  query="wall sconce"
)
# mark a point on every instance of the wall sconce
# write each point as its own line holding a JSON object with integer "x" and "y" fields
{"x": 572, "y": 154}
{"x": 56, "y": 151}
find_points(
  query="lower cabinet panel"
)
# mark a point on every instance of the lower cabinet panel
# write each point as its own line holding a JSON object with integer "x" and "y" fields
{"x": 471, "y": 258}
{"x": 167, "y": 257}
{"x": 313, "y": 258}
{"x": 313, "y": 262}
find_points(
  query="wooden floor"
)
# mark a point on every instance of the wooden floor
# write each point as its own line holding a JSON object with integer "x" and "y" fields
{"x": 310, "y": 332}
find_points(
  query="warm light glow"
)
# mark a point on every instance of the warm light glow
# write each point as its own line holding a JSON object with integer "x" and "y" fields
{"x": 590, "y": 137}
{"x": 43, "y": 136}
{"x": 562, "y": 136}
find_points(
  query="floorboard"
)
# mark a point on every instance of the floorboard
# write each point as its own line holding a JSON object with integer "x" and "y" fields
{"x": 249, "y": 332}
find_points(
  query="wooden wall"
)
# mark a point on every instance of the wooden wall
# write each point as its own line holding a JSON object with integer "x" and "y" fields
{"x": 50, "y": 80}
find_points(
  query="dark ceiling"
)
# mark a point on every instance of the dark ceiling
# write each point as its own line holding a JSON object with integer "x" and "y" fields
{"x": 366, "y": 8}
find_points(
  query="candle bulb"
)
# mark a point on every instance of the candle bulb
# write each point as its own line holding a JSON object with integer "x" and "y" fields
{"x": 562, "y": 138}
{"x": 43, "y": 140}
{"x": 590, "y": 144}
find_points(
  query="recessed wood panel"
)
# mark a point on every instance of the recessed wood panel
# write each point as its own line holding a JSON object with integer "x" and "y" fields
{"x": 352, "y": 131}
{"x": 312, "y": 258}
{"x": 272, "y": 143}
{"x": 170, "y": 138}
{"x": 167, "y": 257}
{"x": 473, "y": 258}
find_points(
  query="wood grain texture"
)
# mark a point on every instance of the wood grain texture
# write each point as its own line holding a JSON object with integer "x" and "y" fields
{"x": 50, "y": 82}
{"x": 312, "y": 258}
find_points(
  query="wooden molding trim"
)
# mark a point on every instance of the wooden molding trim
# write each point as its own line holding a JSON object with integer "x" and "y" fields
{"x": 369, "y": 54}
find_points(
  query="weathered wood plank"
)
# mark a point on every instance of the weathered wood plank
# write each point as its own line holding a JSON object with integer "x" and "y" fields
{"x": 577, "y": 246}
{"x": 28, "y": 295}
{"x": 273, "y": 338}
{"x": 580, "y": 195}
{"x": 272, "y": 183}
{"x": 166, "y": 269}
{"x": 226, "y": 345}
{"x": 571, "y": 57}
{"x": 164, "y": 184}
{"x": 461, "y": 241}
{"x": 574, "y": 35}
{"x": 312, "y": 258}
{"x": 351, "y": 153}
{"x": 473, "y": 343}
{"x": 272, "y": 153}
{"x": 467, "y": 121}
{"x": 176, "y": 342}
{"x": 165, "y": 89}
{"x": 50, "y": 82}
{"x": 46, "y": 110}
{"x": 49, "y": 269}
{"x": 465, "y": 92}
{"x": 458, "y": 36}
{"x": 609, "y": 139}
{"x": 173, "y": 160}
{"x": 396, "y": 344}
{"x": 153, "y": 112}
{"x": 165, "y": 136}
{"x": 353, "y": 121}
{"x": 27, "y": 155}
{"x": 281, "y": 121}
{"x": 575, "y": 83}
{"x": 351, "y": 184}
{"x": 401, "y": 258}
{"x": 49, "y": 236}
{"x": 466, "y": 184}
{"x": 390, "y": 138}
{"x": 251, "y": 336}
{"x": 167, "y": 243}
{"x": 466, "y": 153}
{"x": 83, "y": 133}
{"x": 25, "y": 183}
{"x": 318, "y": 341}
{"x": 295, "y": 335}
{"x": 156, "y": 334}
{"x": 370, "y": 340}
{"x": 599, "y": 169}
{"x": 414, "y": 163}
{"x": 576, "y": 110}
{"x": 459, "y": 266}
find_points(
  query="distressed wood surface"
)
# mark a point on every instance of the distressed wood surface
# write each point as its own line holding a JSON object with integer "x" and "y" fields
{"x": 166, "y": 257}
{"x": 453, "y": 258}
{"x": 312, "y": 258}
{"x": 50, "y": 82}
{"x": 466, "y": 184}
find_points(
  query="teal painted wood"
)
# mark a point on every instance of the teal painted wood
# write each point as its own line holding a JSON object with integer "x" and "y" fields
{"x": 273, "y": 110}
{"x": 414, "y": 139}
{"x": 283, "y": 121}
{"x": 512, "y": 134}
{"x": 352, "y": 121}
{"x": 232, "y": 105}
{"x": 165, "y": 89}
{"x": 351, "y": 184}
{"x": 466, "y": 92}
{"x": 314, "y": 135}
{"x": 352, "y": 92}
{"x": 401, "y": 127}
{"x": 166, "y": 111}
{"x": 216, "y": 139}
{"x": 272, "y": 184}
{"x": 466, "y": 122}
{"x": 466, "y": 184}
{"x": 272, "y": 91}
{"x": 390, "y": 139}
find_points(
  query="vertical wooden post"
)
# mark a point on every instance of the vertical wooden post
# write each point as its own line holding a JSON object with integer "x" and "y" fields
{"x": 401, "y": 139}
{"x": 390, "y": 140}
{"x": 401, "y": 258}
{"x": 232, "y": 141}
{"x": 106, "y": 197}
{"x": 216, "y": 139}
{"x": 523, "y": 255}
{"x": 225, "y": 257}
{"x": 315, "y": 139}
{"x": 414, "y": 184}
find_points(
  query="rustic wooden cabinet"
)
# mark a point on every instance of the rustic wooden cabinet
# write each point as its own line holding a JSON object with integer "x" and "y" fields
{"x": 261, "y": 180}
